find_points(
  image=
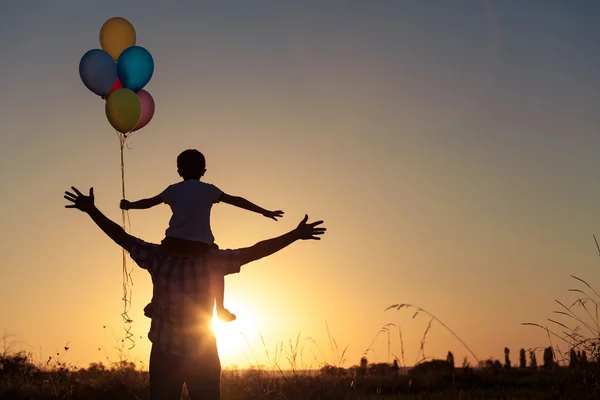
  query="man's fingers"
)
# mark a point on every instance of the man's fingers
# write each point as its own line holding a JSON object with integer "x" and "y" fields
{"x": 315, "y": 238}
{"x": 315, "y": 223}
{"x": 91, "y": 192}
{"x": 71, "y": 206}
{"x": 70, "y": 198}
{"x": 76, "y": 191}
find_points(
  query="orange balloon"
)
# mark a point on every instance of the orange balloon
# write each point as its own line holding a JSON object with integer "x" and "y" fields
{"x": 116, "y": 35}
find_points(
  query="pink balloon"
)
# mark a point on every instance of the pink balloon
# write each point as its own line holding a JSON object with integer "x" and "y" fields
{"x": 147, "y": 109}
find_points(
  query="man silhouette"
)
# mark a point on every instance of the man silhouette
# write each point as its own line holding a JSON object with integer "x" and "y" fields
{"x": 184, "y": 348}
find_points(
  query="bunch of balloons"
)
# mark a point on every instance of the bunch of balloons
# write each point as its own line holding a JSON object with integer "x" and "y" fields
{"x": 118, "y": 74}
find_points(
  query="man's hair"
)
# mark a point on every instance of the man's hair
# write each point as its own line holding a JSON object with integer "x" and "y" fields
{"x": 191, "y": 164}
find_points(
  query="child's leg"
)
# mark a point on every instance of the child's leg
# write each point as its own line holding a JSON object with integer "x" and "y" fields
{"x": 218, "y": 291}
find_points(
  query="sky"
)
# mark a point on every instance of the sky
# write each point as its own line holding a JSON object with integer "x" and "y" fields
{"x": 450, "y": 149}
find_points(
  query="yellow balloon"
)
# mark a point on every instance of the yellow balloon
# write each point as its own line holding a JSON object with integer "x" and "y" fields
{"x": 123, "y": 110}
{"x": 116, "y": 35}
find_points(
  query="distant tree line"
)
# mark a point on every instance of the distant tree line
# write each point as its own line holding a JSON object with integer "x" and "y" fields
{"x": 577, "y": 359}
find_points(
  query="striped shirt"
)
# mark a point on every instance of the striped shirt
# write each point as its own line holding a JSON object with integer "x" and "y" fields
{"x": 181, "y": 324}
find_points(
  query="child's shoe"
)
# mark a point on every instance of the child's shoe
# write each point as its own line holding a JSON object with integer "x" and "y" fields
{"x": 225, "y": 315}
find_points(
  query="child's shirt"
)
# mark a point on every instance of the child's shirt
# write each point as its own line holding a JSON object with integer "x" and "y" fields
{"x": 191, "y": 202}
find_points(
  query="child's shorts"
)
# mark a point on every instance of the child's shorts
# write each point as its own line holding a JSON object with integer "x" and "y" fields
{"x": 185, "y": 247}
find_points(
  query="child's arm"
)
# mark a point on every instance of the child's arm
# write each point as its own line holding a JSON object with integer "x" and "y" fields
{"x": 141, "y": 204}
{"x": 246, "y": 205}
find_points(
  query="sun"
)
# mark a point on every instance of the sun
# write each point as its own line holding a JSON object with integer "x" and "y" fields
{"x": 231, "y": 336}
{"x": 226, "y": 332}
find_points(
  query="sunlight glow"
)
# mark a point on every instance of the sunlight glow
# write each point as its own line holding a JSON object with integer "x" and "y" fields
{"x": 231, "y": 336}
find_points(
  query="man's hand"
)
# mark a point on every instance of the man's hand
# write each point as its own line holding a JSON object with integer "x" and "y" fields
{"x": 267, "y": 247}
{"x": 80, "y": 201}
{"x": 309, "y": 231}
{"x": 125, "y": 204}
{"x": 110, "y": 228}
{"x": 273, "y": 214}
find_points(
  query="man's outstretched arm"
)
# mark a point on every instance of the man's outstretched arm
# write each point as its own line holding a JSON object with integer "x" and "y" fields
{"x": 265, "y": 248}
{"x": 112, "y": 230}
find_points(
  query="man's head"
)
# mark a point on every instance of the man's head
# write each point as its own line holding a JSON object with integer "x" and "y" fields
{"x": 191, "y": 164}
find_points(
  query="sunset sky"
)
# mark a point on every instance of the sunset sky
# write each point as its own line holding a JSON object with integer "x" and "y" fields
{"x": 453, "y": 152}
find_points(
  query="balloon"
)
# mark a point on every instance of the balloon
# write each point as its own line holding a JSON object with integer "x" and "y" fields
{"x": 116, "y": 35}
{"x": 123, "y": 110}
{"x": 98, "y": 71}
{"x": 135, "y": 68}
{"x": 116, "y": 86}
{"x": 147, "y": 103}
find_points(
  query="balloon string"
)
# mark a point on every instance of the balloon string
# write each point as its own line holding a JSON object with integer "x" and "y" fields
{"x": 127, "y": 280}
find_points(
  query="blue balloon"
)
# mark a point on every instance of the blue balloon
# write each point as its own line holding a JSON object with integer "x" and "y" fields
{"x": 135, "y": 67}
{"x": 98, "y": 71}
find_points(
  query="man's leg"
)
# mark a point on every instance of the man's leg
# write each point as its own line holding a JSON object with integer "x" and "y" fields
{"x": 166, "y": 375}
{"x": 203, "y": 376}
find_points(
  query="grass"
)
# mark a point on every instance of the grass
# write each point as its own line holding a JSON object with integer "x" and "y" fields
{"x": 575, "y": 328}
{"x": 580, "y": 331}
{"x": 21, "y": 378}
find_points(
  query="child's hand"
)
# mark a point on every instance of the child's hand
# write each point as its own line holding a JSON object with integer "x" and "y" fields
{"x": 274, "y": 214}
{"x": 125, "y": 205}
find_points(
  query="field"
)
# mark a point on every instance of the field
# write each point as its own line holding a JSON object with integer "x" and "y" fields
{"x": 21, "y": 379}
{"x": 571, "y": 373}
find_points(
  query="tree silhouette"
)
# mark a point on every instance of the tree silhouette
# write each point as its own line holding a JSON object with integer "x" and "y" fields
{"x": 364, "y": 363}
{"x": 573, "y": 360}
{"x": 532, "y": 360}
{"x": 548, "y": 358}
{"x": 522, "y": 359}
{"x": 506, "y": 358}
{"x": 466, "y": 364}
{"x": 583, "y": 358}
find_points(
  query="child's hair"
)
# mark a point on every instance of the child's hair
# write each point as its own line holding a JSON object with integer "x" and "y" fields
{"x": 191, "y": 164}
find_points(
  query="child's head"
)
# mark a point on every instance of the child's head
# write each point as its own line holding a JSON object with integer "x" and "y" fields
{"x": 191, "y": 164}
